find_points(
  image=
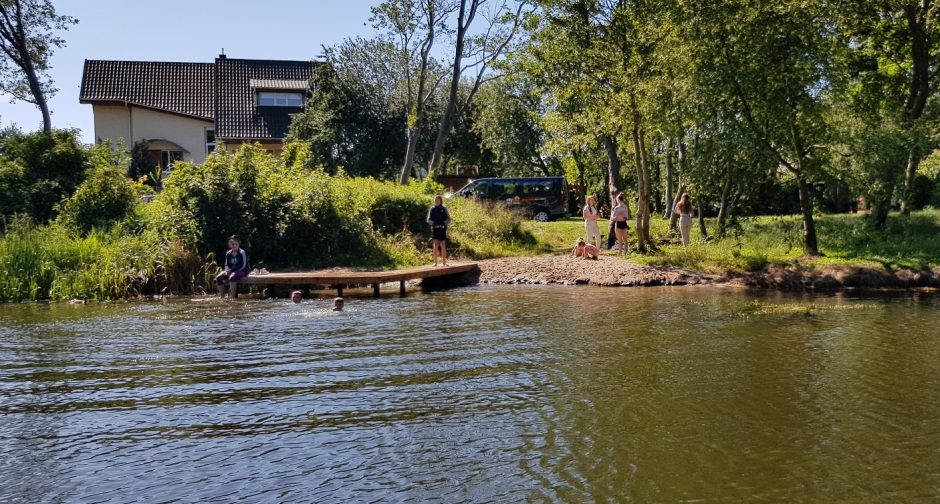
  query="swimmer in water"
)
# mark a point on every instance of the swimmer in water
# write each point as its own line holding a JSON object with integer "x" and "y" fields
{"x": 338, "y": 304}
{"x": 296, "y": 296}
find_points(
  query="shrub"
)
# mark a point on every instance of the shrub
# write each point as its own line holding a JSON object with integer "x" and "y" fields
{"x": 38, "y": 169}
{"x": 104, "y": 198}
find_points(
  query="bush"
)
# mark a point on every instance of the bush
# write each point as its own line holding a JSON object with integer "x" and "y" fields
{"x": 37, "y": 170}
{"x": 104, "y": 198}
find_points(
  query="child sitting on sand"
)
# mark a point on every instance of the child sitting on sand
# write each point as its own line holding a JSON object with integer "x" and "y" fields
{"x": 585, "y": 250}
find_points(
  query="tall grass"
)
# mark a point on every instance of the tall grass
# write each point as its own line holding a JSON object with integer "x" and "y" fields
{"x": 52, "y": 263}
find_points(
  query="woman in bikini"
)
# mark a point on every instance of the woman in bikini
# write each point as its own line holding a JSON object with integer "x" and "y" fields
{"x": 619, "y": 216}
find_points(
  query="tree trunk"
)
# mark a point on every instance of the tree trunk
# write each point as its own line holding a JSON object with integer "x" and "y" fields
{"x": 642, "y": 182}
{"x": 701, "y": 222}
{"x": 448, "y": 118}
{"x": 810, "y": 244}
{"x": 673, "y": 216}
{"x": 670, "y": 147}
{"x": 723, "y": 209}
{"x": 910, "y": 175}
{"x": 412, "y": 146}
{"x": 613, "y": 160}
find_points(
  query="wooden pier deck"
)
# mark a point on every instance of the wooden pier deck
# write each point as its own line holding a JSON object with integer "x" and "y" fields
{"x": 340, "y": 279}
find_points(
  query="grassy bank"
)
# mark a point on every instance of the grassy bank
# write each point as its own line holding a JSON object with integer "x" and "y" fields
{"x": 106, "y": 243}
{"x": 758, "y": 242}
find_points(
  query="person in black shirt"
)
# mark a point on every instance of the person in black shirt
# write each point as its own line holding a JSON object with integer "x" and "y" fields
{"x": 439, "y": 219}
{"x": 236, "y": 267}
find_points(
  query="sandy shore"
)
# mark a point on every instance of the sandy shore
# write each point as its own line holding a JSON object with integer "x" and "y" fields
{"x": 606, "y": 271}
{"x": 612, "y": 272}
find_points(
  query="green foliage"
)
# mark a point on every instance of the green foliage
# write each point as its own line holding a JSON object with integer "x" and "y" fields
{"x": 105, "y": 197}
{"x": 346, "y": 125}
{"x": 39, "y": 169}
{"x": 291, "y": 217}
{"x": 51, "y": 262}
{"x": 140, "y": 163}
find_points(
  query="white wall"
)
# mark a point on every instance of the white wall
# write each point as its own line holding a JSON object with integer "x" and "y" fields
{"x": 126, "y": 125}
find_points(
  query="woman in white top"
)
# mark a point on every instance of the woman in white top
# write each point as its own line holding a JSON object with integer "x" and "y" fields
{"x": 590, "y": 213}
{"x": 684, "y": 210}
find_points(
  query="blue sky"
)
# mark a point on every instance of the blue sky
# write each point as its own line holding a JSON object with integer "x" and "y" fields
{"x": 177, "y": 30}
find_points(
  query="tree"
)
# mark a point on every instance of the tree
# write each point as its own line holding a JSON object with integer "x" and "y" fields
{"x": 770, "y": 63}
{"x": 483, "y": 50}
{"x": 27, "y": 41}
{"x": 508, "y": 122}
{"x": 890, "y": 51}
{"x": 412, "y": 27}
{"x": 347, "y": 122}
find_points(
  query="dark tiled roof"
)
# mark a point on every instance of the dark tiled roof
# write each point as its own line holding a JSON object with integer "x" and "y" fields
{"x": 180, "y": 88}
{"x": 238, "y": 115}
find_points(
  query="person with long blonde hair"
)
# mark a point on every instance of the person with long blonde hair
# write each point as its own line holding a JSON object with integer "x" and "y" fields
{"x": 590, "y": 214}
{"x": 684, "y": 211}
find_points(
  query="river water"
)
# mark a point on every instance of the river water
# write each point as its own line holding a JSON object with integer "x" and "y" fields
{"x": 484, "y": 394}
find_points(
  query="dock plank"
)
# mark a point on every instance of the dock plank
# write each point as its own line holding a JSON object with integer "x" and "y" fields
{"x": 350, "y": 278}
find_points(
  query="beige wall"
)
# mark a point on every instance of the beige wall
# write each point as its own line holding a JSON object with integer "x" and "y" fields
{"x": 126, "y": 125}
{"x": 274, "y": 147}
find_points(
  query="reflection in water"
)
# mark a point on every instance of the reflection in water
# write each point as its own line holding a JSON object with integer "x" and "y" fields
{"x": 491, "y": 394}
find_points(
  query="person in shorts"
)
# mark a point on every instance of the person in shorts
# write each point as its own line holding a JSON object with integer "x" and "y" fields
{"x": 235, "y": 267}
{"x": 619, "y": 216}
{"x": 439, "y": 219}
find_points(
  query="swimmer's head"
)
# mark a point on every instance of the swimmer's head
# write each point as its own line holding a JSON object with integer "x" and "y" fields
{"x": 296, "y": 296}
{"x": 338, "y": 304}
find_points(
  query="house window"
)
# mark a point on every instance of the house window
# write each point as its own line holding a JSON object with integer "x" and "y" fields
{"x": 210, "y": 141}
{"x": 168, "y": 157}
{"x": 272, "y": 99}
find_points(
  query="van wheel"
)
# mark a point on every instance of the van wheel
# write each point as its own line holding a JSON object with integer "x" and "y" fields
{"x": 542, "y": 216}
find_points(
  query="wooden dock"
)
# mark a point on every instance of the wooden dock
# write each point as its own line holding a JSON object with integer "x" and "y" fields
{"x": 341, "y": 279}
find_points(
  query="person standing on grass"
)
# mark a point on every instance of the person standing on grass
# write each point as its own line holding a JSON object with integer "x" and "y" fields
{"x": 439, "y": 219}
{"x": 619, "y": 216}
{"x": 590, "y": 214}
{"x": 684, "y": 211}
{"x": 236, "y": 267}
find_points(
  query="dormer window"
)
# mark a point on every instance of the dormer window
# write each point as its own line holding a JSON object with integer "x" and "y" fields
{"x": 280, "y": 99}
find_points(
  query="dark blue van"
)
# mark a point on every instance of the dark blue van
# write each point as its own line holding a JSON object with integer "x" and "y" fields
{"x": 544, "y": 198}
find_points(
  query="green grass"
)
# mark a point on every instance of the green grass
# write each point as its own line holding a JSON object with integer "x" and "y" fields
{"x": 906, "y": 242}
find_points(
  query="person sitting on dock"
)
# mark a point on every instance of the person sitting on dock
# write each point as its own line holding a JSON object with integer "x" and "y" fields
{"x": 585, "y": 250}
{"x": 439, "y": 219}
{"x": 296, "y": 296}
{"x": 236, "y": 267}
{"x": 338, "y": 304}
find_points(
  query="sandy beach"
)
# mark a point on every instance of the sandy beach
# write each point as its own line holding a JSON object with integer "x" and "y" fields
{"x": 616, "y": 272}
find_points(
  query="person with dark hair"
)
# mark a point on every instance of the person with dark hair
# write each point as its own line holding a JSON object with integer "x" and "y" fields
{"x": 684, "y": 211}
{"x": 235, "y": 268}
{"x": 439, "y": 219}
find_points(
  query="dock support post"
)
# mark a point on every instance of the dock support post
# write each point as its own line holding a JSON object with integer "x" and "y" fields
{"x": 339, "y": 290}
{"x": 401, "y": 288}
{"x": 375, "y": 290}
